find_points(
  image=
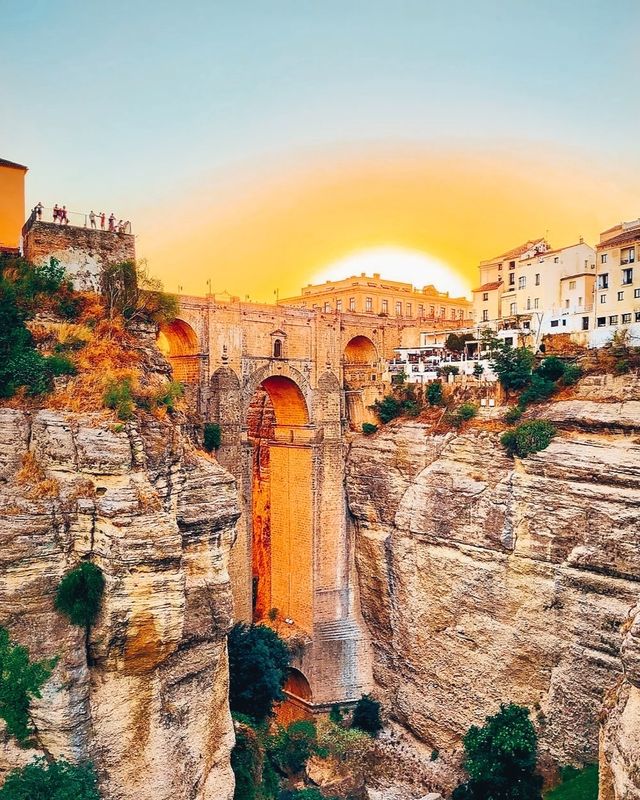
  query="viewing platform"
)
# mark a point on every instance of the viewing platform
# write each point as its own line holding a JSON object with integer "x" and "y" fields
{"x": 64, "y": 218}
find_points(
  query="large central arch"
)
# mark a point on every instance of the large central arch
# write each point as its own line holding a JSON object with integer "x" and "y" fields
{"x": 281, "y": 502}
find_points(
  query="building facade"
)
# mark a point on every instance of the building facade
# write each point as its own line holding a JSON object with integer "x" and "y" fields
{"x": 374, "y": 295}
{"x": 618, "y": 282}
{"x": 11, "y": 204}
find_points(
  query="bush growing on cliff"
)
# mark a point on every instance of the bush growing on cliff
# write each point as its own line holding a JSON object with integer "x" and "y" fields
{"x": 129, "y": 291}
{"x": 512, "y": 365}
{"x": 369, "y": 428}
{"x": 529, "y": 437}
{"x": 212, "y": 436}
{"x": 291, "y": 747}
{"x": 119, "y": 396}
{"x": 572, "y": 374}
{"x": 552, "y": 368}
{"x": 539, "y": 389}
{"x": 577, "y": 784}
{"x": 366, "y": 715}
{"x": 388, "y": 408}
{"x": 20, "y": 681}
{"x": 246, "y": 763}
{"x": 434, "y": 393}
{"x": 500, "y": 758}
{"x": 79, "y": 594}
{"x": 258, "y": 664}
{"x": 55, "y": 780}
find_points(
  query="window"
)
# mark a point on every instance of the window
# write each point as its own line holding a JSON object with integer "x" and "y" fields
{"x": 537, "y": 279}
{"x": 409, "y": 309}
{"x": 500, "y": 267}
{"x": 398, "y": 309}
{"x": 626, "y": 319}
{"x": 512, "y": 265}
{"x": 536, "y": 302}
{"x": 556, "y": 260}
{"x": 603, "y": 258}
{"x": 528, "y": 303}
{"x": 554, "y": 323}
{"x": 603, "y": 298}
{"x": 327, "y": 308}
{"x": 566, "y": 304}
{"x": 512, "y": 279}
{"x": 485, "y": 296}
{"x": 613, "y": 319}
{"x": 522, "y": 282}
{"x": 627, "y": 255}
{"x": 637, "y": 316}
{"x": 572, "y": 285}
{"x": 602, "y": 321}
{"x": 636, "y": 293}
{"x": 385, "y": 306}
{"x": 460, "y": 313}
{"x": 579, "y": 301}
{"x": 620, "y": 295}
{"x": 513, "y": 308}
{"x": 508, "y": 340}
{"x": 603, "y": 281}
{"x": 277, "y": 349}
{"x": 485, "y": 315}
{"x": 368, "y": 304}
{"x": 564, "y": 322}
{"x": 627, "y": 276}
{"x": 421, "y": 311}
{"x": 585, "y": 323}
{"x": 338, "y": 305}
{"x": 453, "y": 313}
{"x": 526, "y": 325}
{"x": 352, "y": 304}
{"x": 442, "y": 311}
{"x": 432, "y": 311}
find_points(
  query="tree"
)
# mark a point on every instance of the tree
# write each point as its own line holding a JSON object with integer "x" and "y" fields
{"x": 366, "y": 715}
{"x": 529, "y": 437}
{"x": 455, "y": 342}
{"x": 55, "y": 780}
{"x": 500, "y": 758}
{"x": 551, "y": 368}
{"x": 291, "y": 747}
{"x": 20, "y": 681}
{"x": 434, "y": 393}
{"x": 258, "y": 665}
{"x": 512, "y": 365}
{"x": 129, "y": 291}
{"x": 79, "y": 594}
{"x": 212, "y": 436}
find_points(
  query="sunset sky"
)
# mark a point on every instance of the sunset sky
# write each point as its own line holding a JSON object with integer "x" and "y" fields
{"x": 255, "y": 143}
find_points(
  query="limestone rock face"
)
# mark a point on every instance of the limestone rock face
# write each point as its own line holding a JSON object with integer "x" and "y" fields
{"x": 145, "y": 698}
{"x": 485, "y": 580}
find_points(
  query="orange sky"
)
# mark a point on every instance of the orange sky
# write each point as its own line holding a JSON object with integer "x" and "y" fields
{"x": 258, "y": 228}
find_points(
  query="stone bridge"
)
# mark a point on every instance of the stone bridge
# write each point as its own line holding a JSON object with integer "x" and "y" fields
{"x": 285, "y": 385}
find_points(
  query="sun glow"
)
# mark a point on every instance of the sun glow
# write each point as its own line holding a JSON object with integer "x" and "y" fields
{"x": 397, "y": 264}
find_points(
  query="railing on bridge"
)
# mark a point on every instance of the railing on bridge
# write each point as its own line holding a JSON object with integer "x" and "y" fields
{"x": 76, "y": 219}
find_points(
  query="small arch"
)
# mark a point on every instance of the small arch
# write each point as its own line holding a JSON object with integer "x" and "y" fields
{"x": 360, "y": 350}
{"x": 287, "y": 399}
{"x": 298, "y": 686}
{"x": 277, "y": 348}
{"x": 178, "y": 338}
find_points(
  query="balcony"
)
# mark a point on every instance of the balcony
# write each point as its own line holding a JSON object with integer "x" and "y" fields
{"x": 75, "y": 219}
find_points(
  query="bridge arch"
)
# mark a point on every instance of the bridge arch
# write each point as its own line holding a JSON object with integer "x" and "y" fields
{"x": 178, "y": 342}
{"x": 290, "y": 393}
{"x": 360, "y": 350}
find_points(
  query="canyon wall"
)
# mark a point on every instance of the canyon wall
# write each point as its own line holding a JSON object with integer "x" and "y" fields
{"x": 145, "y": 698}
{"x": 486, "y": 580}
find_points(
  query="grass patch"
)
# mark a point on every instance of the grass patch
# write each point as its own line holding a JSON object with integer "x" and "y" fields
{"x": 577, "y": 784}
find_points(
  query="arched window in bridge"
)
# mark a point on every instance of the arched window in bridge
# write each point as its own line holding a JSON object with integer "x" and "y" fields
{"x": 277, "y": 348}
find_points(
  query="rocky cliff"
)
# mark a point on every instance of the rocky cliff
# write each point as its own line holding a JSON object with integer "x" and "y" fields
{"x": 145, "y": 697}
{"x": 486, "y": 580}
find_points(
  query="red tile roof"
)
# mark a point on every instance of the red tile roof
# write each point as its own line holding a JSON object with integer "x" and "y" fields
{"x": 487, "y": 287}
{"x": 517, "y": 251}
{"x": 627, "y": 237}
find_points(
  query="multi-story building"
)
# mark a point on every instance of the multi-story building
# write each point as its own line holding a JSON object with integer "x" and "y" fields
{"x": 618, "y": 281}
{"x": 374, "y": 295}
{"x": 538, "y": 290}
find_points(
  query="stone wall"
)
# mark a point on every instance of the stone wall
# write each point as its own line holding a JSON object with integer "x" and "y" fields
{"x": 83, "y": 252}
{"x": 485, "y": 580}
{"x": 145, "y": 698}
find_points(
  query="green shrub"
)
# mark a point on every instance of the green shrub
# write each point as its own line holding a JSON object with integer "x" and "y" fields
{"x": 119, "y": 396}
{"x": 500, "y": 758}
{"x": 449, "y": 369}
{"x": 20, "y": 681}
{"x": 434, "y": 393}
{"x": 291, "y": 747}
{"x": 539, "y": 389}
{"x": 368, "y": 428}
{"x": 467, "y": 411}
{"x": 258, "y": 665}
{"x": 577, "y": 784}
{"x": 212, "y": 436}
{"x": 572, "y": 374}
{"x": 512, "y": 365}
{"x": 622, "y": 366}
{"x": 512, "y": 415}
{"x": 527, "y": 438}
{"x": 335, "y": 714}
{"x": 388, "y": 408}
{"x": 304, "y": 794}
{"x": 366, "y": 715}
{"x": 434, "y": 755}
{"x": 79, "y": 594}
{"x": 168, "y": 395}
{"x": 55, "y": 780}
{"x": 246, "y": 763}
{"x": 60, "y": 365}
{"x": 28, "y": 368}
{"x": 552, "y": 368}
{"x": 478, "y": 369}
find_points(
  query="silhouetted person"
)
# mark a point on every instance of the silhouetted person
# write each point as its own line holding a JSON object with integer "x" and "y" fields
{"x": 112, "y": 222}
{"x": 64, "y": 218}
{"x": 92, "y": 219}
{"x": 38, "y": 210}
{"x": 102, "y": 219}
{"x": 56, "y": 213}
